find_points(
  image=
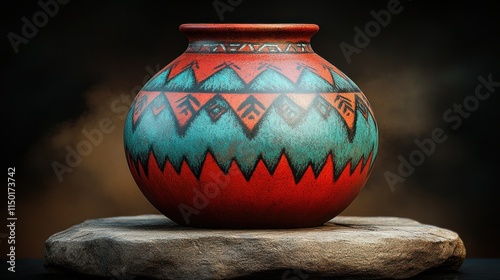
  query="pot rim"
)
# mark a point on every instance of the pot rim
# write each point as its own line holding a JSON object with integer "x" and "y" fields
{"x": 296, "y": 32}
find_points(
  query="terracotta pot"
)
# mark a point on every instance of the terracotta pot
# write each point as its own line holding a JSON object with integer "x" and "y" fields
{"x": 249, "y": 128}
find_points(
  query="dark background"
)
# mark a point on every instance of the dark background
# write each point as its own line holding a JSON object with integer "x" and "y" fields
{"x": 92, "y": 54}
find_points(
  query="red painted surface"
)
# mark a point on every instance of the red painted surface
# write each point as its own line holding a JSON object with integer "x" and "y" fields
{"x": 219, "y": 200}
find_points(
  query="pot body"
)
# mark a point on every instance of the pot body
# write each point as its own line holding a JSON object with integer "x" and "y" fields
{"x": 249, "y": 128}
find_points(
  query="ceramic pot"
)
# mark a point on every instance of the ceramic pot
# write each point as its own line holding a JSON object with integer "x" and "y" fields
{"x": 250, "y": 128}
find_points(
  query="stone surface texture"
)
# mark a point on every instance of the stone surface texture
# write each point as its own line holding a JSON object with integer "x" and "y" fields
{"x": 155, "y": 247}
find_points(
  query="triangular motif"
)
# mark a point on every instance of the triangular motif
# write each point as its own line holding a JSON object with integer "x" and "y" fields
{"x": 179, "y": 66}
{"x": 187, "y": 105}
{"x": 142, "y": 101}
{"x": 250, "y": 108}
{"x": 363, "y": 105}
{"x": 224, "y": 80}
{"x": 311, "y": 81}
{"x": 345, "y": 104}
{"x": 211, "y": 67}
{"x": 271, "y": 80}
{"x": 342, "y": 83}
{"x": 184, "y": 81}
{"x": 249, "y": 70}
{"x": 157, "y": 82}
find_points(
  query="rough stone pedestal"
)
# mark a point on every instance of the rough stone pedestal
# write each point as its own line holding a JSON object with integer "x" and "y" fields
{"x": 154, "y": 246}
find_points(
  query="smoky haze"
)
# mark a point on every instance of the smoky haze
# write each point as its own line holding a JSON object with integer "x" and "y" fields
{"x": 68, "y": 88}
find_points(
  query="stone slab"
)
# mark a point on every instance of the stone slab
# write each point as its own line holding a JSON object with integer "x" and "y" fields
{"x": 155, "y": 247}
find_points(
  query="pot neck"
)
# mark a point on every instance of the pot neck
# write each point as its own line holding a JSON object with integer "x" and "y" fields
{"x": 234, "y": 38}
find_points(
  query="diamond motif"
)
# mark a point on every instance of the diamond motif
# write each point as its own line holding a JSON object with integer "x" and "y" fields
{"x": 216, "y": 108}
{"x": 323, "y": 107}
{"x": 288, "y": 110}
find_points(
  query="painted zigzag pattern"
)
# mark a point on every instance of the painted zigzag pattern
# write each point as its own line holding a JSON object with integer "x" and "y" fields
{"x": 303, "y": 144}
{"x": 284, "y": 109}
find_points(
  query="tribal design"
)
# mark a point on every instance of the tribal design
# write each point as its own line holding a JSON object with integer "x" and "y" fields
{"x": 283, "y": 47}
{"x": 249, "y": 113}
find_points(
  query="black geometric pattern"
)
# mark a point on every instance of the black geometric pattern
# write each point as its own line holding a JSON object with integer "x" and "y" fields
{"x": 288, "y": 110}
{"x": 216, "y": 108}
